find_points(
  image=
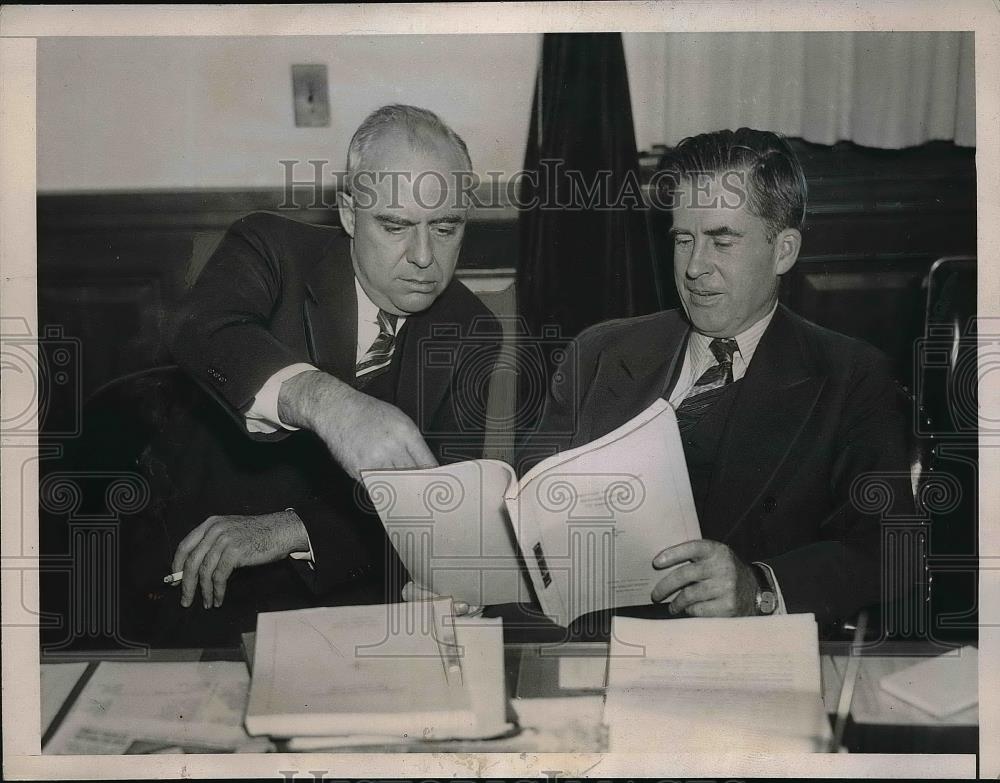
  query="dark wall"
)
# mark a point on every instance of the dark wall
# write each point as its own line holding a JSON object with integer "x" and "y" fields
{"x": 878, "y": 219}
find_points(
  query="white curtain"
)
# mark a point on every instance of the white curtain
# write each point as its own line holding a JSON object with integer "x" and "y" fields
{"x": 881, "y": 89}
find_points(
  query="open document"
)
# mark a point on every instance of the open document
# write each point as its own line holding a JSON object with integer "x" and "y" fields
{"x": 740, "y": 684}
{"x": 582, "y": 526}
{"x": 351, "y": 674}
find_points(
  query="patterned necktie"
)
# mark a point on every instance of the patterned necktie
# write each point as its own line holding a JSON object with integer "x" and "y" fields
{"x": 710, "y": 386}
{"x": 378, "y": 357}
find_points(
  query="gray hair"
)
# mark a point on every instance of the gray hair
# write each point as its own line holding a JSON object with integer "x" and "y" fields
{"x": 417, "y": 123}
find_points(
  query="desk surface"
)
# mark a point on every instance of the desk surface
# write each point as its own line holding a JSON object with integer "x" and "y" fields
{"x": 557, "y": 692}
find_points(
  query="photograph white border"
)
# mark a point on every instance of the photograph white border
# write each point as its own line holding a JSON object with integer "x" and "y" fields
{"x": 21, "y": 25}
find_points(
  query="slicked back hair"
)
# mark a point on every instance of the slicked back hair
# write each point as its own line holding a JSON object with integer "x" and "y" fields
{"x": 775, "y": 183}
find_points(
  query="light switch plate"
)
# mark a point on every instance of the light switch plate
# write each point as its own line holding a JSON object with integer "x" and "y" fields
{"x": 311, "y": 96}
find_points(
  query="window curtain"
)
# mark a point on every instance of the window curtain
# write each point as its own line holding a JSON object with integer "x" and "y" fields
{"x": 879, "y": 89}
{"x": 580, "y": 265}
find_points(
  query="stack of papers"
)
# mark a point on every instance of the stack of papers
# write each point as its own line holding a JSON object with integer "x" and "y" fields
{"x": 382, "y": 674}
{"x": 716, "y": 685}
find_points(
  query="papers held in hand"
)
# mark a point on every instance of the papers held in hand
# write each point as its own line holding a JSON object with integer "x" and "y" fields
{"x": 396, "y": 671}
{"x": 583, "y": 525}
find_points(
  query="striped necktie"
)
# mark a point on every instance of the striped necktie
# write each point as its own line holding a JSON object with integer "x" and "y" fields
{"x": 376, "y": 360}
{"x": 709, "y": 387}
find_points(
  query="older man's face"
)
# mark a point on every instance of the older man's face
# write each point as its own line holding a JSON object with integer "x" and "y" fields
{"x": 725, "y": 270}
{"x": 407, "y": 223}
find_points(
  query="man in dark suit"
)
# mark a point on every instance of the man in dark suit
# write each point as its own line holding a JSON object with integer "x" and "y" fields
{"x": 292, "y": 326}
{"x": 780, "y": 419}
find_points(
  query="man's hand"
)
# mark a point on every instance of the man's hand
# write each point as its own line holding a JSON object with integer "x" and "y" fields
{"x": 414, "y": 592}
{"x": 712, "y": 580}
{"x": 210, "y": 552}
{"x": 361, "y": 432}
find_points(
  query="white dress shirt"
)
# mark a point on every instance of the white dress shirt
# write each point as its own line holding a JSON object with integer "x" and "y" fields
{"x": 263, "y": 413}
{"x": 698, "y": 358}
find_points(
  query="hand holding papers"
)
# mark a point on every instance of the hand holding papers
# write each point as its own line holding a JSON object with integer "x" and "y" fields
{"x": 589, "y": 521}
{"x": 705, "y": 579}
{"x": 583, "y": 525}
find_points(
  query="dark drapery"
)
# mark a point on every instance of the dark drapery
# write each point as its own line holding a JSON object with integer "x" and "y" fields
{"x": 583, "y": 258}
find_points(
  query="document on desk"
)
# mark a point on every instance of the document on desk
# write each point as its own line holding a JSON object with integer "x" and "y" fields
{"x": 57, "y": 682}
{"x": 704, "y": 684}
{"x": 584, "y": 525}
{"x": 873, "y": 705}
{"x": 942, "y": 686}
{"x": 141, "y": 707}
{"x": 361, "y": 674}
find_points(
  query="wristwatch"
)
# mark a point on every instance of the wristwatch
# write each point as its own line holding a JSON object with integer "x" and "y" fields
{"x": 766, "y": 599}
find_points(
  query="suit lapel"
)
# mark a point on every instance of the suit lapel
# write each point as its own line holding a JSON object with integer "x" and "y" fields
{"x": 330, "y": 311}
{"x": 630, "y": 377}
{"x": 420, "y": 390}
{"x": 776, "y": 398}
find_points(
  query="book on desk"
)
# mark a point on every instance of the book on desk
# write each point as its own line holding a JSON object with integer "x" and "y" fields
{"x": 336, "y": 677}
{"x": 716, "y": 685}
{"x": 375, "y": 674}
{"x": 155, "y": 706}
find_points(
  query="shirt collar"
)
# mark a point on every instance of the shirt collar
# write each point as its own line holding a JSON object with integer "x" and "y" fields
{"x": 368, "y": 310}
{"x": 746, "y": 342}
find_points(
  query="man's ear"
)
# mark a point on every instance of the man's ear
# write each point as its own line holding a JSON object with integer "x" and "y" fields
{"x": 345, "y": 206}
{"x": 786, "y": 250}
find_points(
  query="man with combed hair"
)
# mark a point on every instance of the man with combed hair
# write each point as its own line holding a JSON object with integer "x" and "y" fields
{"x": 779, "y": 417}
{"x": 294, "y": 326}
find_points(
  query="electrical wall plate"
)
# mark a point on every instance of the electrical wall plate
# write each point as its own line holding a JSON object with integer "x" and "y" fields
{"x": 311, "y": 96}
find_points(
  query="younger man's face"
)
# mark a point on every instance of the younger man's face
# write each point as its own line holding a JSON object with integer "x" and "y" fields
{"x": 725, "y": 269}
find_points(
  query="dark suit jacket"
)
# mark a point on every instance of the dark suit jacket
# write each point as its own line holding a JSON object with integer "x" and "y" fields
{"x": 277, "y": 292}
{"x": 815, "y": 411}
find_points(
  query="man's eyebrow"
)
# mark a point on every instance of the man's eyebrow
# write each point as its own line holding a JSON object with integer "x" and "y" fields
{"x": 453, "y": 218}
{"x": 393, "y": 220}
{"x": 722, "y": 231}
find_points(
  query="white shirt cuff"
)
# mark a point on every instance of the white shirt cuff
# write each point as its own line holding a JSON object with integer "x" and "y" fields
{"x": 777, "y": 588}
{"x": 263, "y": 414}
{"x": 307, "y": 555}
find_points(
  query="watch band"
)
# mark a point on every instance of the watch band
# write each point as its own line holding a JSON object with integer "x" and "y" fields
{"x": 766, "y": 598}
